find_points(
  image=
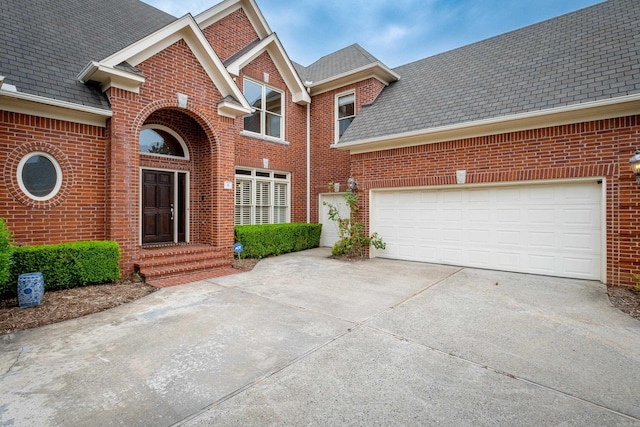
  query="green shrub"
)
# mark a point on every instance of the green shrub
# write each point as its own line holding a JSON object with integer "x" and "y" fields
{"x": 66, "y": 265}
{"x": 5, "y": 253}
{"x": 260, "y": 241}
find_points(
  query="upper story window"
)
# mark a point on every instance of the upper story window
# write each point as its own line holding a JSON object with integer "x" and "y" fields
{"x": 345, "y": 112}
{"x": 161, "y": 141}
{"x": 267, "y": 118}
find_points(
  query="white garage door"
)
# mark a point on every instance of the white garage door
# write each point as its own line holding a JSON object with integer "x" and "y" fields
{"x": 541, "y": 229}
{"x": 329, "y": 228}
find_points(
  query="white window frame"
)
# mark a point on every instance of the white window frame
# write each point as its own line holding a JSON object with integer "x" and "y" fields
{"x": 56, "y": 166}
{"x": 271, "y": 180}
{"x": 337, "y": 113}
{"x": 263, "y": 111}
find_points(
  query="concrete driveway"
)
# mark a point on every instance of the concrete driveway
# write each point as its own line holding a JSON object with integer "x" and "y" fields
{"x": 307, "y": 340}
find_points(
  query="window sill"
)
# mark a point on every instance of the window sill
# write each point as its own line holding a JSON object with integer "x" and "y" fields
{"x": 254, "y": 135}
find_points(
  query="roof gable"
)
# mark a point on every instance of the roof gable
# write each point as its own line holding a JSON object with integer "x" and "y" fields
{"x": 116, "y": 71}
{"x": 271, "y": 44}
{"x": 227, "y": 7}
{"x": 571, "y": 68}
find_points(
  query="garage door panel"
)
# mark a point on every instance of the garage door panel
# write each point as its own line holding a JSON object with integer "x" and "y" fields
{"x": 479, "y": 215}
{"x": 541, "y": 216}
{"x": 551, "y": 229}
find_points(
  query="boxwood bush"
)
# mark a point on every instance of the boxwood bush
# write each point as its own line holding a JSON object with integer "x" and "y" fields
{"x": 260, "y": 241}
{"x": 66, "y": 265}
{"x": 5, "y": 252}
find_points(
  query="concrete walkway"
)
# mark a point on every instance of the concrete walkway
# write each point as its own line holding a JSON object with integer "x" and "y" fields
{"x": 307, "y": 340}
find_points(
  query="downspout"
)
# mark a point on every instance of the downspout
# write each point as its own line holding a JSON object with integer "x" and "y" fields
{"x": 308, "y": 163}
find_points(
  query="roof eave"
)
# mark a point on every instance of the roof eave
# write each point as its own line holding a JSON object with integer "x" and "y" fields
{"x": 374, "y": 70}
{"x": 596, "y": 110}
{"x": 111, "y": 77}
{"x": 232, "y": 109}
{"x": 25, "y": 103}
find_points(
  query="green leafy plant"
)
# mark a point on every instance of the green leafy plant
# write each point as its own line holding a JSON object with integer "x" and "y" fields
{"x": 352, "y": 240}
{"x": 264, "y": 240}
{"x": 6, "y": 253}
{"x": 66, "y": 265}
{"x": 637, "y": 282}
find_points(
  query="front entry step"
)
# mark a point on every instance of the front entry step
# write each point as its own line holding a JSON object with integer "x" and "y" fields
{"x": 163, "y": 266}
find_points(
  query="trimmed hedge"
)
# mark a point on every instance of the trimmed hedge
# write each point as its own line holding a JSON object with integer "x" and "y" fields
{"x": 5, "y": 252}
{"x": 66, "y": 265}
{"x": 260, "y": 241}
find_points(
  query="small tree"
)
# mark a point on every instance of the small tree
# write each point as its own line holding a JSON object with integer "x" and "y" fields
{"x": 352, "y": 240}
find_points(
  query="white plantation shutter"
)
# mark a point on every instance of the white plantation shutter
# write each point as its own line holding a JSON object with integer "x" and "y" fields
{"x": 280, "y": 206}
{"x": 263, "y": 202}
{"x": 243, "y": 202}
{"x": 261, "y": 197}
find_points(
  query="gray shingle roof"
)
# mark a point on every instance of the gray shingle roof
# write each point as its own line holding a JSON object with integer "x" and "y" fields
{"x": 588, "y": 55}
{"x": 45, "y": 44}
{"x": 348, "y": 59}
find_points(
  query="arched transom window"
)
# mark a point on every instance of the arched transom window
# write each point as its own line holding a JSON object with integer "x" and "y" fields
{"x": 161, "y": 141}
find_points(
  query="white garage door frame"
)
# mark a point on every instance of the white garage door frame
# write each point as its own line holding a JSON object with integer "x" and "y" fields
{"x": 603, "y": 205}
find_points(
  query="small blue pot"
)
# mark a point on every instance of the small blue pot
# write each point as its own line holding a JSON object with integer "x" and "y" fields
{"x": 30, "y": 289}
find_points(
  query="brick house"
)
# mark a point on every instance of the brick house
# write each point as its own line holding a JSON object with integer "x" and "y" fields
{"x": 162, "y": 133}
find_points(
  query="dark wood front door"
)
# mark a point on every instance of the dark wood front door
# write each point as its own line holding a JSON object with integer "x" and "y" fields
{"x": 157, "y": 207}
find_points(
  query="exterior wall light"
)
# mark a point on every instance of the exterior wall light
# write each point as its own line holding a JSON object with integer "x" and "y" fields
{"x": 635, "y": 165}
{"x": 352, "y": 184}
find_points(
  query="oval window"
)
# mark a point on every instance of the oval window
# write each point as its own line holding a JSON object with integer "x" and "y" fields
{"x": 160, "y": 142}
{"x": 39, "y": 176}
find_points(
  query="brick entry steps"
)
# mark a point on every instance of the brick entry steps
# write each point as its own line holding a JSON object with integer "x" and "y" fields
{"x": 163, "y": 266}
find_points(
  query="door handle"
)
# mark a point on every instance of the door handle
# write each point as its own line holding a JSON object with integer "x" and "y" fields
{"x": 171, "y": 211}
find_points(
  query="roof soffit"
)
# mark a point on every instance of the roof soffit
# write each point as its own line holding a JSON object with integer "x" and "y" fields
{"x": 227, "y": 7}
{"x": 109, "y": 75}
{"x": 273, "y": 47}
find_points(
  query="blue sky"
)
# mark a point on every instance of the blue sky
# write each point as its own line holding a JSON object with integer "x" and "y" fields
{"x": 394, "y": 31}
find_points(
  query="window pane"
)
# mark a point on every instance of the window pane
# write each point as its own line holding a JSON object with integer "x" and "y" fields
{"x": 39, "y": 176}
{"x": 274, "y": 101}
{"x": 156, "y": 141}
{"x": 273, "y": 125}
{"x": 253, "y": 93}
{"x": 344, "y": 124}
{"x": 346, "y": 106}
{"x": 252, "y": 122}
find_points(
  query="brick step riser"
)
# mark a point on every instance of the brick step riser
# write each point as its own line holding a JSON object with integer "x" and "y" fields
{"x": 195, "y": 251}
{"x": 178, "y": 269}
{"x": 180, "y": 259}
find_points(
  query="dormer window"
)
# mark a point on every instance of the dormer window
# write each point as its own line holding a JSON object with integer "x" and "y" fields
{"x": 267, "y": 119}
{"x": 345, "y": 112}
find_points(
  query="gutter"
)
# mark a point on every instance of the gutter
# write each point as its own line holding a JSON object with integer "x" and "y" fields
{"x": 577, "y": 113}
{"x": 25, "y": 103}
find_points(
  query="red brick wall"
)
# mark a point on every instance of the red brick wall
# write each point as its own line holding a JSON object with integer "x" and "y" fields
{"x": 593, "y": 149}
{"x": 230, "y": 34}
{"x": 329, "y": 164}
{"x": 208, "y": 136}
{"x": 290, "y": 157}
{"x": 78, "y": 211}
